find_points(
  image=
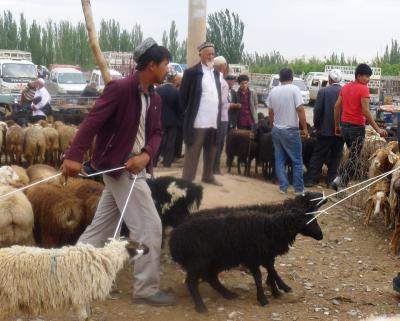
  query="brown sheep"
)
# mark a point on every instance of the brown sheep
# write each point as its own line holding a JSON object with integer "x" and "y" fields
{"x": 382, "y": 160}
{"x": 34, "y": 144}
{"x": 16, "y": 219}
{"x": 40, "y": 171}
{"x": 22, "y": 174}
{"x": 66, "y": 136}
{"x": 3, "y": 131}
{"x": 378, "y": 202}
{"x": 14, "y": 144}
{"x": 58, "y": 219}
{"x": 89, "y": 191}
{"x": 52, "y": 145}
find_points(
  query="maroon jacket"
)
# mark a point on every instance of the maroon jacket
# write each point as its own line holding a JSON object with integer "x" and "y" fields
{"x": 114, "y": 120}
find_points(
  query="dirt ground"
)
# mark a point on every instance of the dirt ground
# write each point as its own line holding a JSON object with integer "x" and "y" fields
{"x": 346, "y": 276}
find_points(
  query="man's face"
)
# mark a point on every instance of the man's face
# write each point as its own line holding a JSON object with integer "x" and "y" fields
{"x": 159, "y": 71}
{"x": 207, "y": 55}
{"x": 244, "y": 85}
{"x": 230, "y": 83}
{"x": 363, "y": 79}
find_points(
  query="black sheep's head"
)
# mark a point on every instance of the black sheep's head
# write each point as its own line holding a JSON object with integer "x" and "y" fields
{"x": 136, "y": 249}
{"x": 310, "y": 201}
{"x": 311, "y": 229}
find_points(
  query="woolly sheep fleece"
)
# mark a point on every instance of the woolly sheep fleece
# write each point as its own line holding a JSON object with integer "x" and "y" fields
{"x": 58, "y": 278}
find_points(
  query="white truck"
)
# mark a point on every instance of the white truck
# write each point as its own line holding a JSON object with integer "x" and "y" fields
{"x": 16, "y": 70}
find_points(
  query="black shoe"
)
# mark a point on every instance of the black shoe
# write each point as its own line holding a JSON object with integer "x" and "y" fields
{"x": 309, "y": 184}
{"x": 396, "y": 283}
{"x": 212, "y": 182}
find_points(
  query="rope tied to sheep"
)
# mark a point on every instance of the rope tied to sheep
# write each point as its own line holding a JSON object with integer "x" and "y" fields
{"x": 373, "y": 179}
{"x": 134, "y": 177}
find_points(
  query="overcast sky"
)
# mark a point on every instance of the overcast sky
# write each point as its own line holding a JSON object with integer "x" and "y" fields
{"x": 294, "y": 27}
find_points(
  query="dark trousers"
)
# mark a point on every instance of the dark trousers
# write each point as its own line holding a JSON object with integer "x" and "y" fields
{"x": 221, "y": 135}
{"x": 179, "y": 142}
{"x": 353, "y": 136}
{"x": 327, "y": 149}
{"x": 246, "y": 127}
{"x": 204, "y": 138}
{"x": 167, "y": 149}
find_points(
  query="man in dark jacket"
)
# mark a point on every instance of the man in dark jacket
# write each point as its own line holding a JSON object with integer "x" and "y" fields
{"x": 328, "y": 147}
{"x": 200, "y": 94}
{"x": 171, "y": 118}
{"x": 126, "y": 121}
{"x": 234, "y": 107}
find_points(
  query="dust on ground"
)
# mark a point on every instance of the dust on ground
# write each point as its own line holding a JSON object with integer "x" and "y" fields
{"x": 346, "y": 276}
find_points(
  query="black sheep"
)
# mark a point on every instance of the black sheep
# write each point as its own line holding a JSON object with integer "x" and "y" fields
{"x": 265, "y": 155}
{"x": 208, "y": 244}
{"x": 175, "y": 198}
{"x": 240, "y": 143}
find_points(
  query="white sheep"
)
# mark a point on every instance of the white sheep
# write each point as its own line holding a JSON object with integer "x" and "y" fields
{"x": 8, "y": 176}
{"x": 35, "y": 280}
{"x": 384, "y": 318}
{"x": 16, "y": 219}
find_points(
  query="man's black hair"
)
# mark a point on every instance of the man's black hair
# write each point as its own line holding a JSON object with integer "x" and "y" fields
{"x": 242, "y": 78}
{"x": 286, "y": 74}
{"x": 156, "y": 54}
{"x": 363, "y": 69}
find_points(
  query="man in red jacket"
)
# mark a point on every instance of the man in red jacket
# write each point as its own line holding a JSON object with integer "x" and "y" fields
{"x": 126, "y": 121}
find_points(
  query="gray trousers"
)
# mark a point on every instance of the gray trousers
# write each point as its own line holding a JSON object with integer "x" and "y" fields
{"x": 143, "y": 222}
{"x": 204, "y": 138}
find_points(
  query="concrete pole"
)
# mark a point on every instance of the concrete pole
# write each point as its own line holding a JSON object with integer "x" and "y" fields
{"x": 197, "y": 26}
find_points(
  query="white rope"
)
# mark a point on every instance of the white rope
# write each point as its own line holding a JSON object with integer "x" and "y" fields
{"x": 56, "y": 175}
{"x": 377, "y": 178}
{"x": 347, "y": 188}
{"x": 125, "y": 206}
{"x": 30, "y": 185}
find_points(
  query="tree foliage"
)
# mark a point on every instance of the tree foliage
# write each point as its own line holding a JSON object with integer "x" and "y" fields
{"x": 225, "y": 30}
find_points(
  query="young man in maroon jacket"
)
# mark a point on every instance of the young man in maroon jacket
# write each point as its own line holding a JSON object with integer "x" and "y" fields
{"x": 126, "y": 121}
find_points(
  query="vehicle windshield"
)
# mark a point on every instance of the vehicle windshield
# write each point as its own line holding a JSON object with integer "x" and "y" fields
{"x": 15, "y": 70}
{"x": 301, "y": 84}
{"x": 113, "y": 77}
{"x": 71, "y": 78}
{"x": 177, "y": 68}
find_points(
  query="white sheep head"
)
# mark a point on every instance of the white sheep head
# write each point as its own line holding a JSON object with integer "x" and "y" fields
{"x": 8, "y": 176}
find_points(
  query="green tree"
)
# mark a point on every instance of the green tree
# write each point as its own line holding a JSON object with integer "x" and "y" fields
{"x": 225, "y": 30}
{"x": 23, "y": 33}
{"x": 104, "y": 36}
{"x": 136, "y": 36}
{"x": 11, "y": 31}
{"x": 125, "y": 41}
{"x": 173, "y": 43}
{"x": 34, "y": 43}
{"x": 181, "y": 53}
{"x": 164, "y": 39}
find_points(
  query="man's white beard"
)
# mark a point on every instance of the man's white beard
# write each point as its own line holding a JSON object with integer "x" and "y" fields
{"x": 210, "y": 64}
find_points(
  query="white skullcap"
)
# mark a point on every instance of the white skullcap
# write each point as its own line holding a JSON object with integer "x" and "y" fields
{"x": 40, "y": 81}
{"x": 335, "y": 75}
{"x": 220, "y": 60}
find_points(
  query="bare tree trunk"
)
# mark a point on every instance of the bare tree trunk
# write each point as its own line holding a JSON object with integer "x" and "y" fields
{"x": 94, "y": 42}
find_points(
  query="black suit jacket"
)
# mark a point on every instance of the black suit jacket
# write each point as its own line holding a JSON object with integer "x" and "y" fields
{"x": 190, "y": 94}
{"x": 171, "y": 113}
{"x": 233, "y": 113}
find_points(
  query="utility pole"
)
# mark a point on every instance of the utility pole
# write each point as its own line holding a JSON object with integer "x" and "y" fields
{"x": 197, "y": 27}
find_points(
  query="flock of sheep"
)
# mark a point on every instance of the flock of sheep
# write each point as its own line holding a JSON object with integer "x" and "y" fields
{"x": 43, "y": 142}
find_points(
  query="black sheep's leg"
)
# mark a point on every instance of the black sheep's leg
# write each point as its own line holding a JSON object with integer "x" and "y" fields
{"x": 275, "y": 276}
{"x": 261, "y": 297}
{"x": 220, "y": 288}
{"x": 272, "y": 284}
{"x": 192, "y": 283}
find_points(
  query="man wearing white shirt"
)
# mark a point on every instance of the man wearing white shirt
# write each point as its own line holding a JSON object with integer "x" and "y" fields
{"x": 200, "y": 95}
{"x": 41, "y": 101}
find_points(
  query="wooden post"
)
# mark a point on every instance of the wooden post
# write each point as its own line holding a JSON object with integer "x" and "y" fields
{"x": 94, "y": 42}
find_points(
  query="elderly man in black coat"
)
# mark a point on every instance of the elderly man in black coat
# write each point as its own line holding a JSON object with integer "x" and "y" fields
{"x": 171, "y": 118}
{"x": 200, "y": 94}
{"x": 328, "y": 147}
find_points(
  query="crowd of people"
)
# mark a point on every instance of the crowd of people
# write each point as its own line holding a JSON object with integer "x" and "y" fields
{"x": 129, "y": 119}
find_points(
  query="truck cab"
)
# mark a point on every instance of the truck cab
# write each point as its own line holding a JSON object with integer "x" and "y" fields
{"x": 314, "y": 82}
{"x": 16, "y": 70}
{"x": 97, "y": 78}
{"x": 66, "y": 81}
{"x": 305, "y": 94}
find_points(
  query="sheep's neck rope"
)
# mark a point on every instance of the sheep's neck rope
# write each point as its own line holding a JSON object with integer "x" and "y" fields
{"x": 56, "y": 175}
{"x": 125, "y": 206}
{"x": 376, "y": 179}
